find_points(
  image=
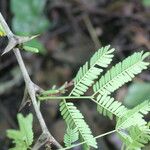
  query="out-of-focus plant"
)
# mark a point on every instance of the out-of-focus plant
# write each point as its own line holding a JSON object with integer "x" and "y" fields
{"x": 28, "y": 19}
{"x": 146, "y": 3}
{"x": 137, "y": 93}
{"x": 22, "y": 138}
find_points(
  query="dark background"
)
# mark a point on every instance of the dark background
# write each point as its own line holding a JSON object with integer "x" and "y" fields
{"x": 124, "y": 24}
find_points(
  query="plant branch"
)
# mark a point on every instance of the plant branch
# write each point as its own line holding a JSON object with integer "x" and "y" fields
{"x": 29, "y": 84}
{"x": 99, "y": 136}
{"x": 40, "y": 141}
{"x": 92, "y": 31}
{"x": 30, "y": 88}
{"x": 42, "y": 98}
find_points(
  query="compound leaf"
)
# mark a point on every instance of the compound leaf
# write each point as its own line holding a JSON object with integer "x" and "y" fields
{"x": 74, "y": 119}
{"x": 91, "y": 70}
{"x": 71, "y": 136}
{"x": 121, "y": 73}
{"x": 23, "y": 137}
{"x": 107, "y": 106}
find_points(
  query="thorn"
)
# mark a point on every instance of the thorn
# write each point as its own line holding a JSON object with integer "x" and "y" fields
{"x": 37, "y": 88}
{"x": 11, "y": 44}
{"x": 3, "y": 54}
{"x": 23, "y": 39}
{"x": 34, "y": 36}
{"x": 16, "y": 40}
{"x": 24, "y": 104}
{"x": 25, "y": 100}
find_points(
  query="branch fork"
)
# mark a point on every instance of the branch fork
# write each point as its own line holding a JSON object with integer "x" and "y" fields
{"x": 13, "y": 43}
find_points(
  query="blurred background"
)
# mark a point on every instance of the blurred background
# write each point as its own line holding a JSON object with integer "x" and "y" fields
{"x": 70, "y": 32}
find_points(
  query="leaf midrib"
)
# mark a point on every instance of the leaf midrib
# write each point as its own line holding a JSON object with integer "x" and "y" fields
{"x": 107, "y": 83}
{"x": 87, "y": 72}
{"x": 75, "y": 122}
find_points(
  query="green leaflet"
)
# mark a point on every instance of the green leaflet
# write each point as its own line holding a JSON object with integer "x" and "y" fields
{"x": 121, "y": 73}
{"x": 83, "y": 80}
{"x": 71, "y": 136}
{"x": 36, "y": 44}
{"x": 30, "y": 49}
{"x": 30, "y": 20}
{"x": 118, "y": 75}
{"x": 2, "y": 32}
{"x": 132, "y": 128}
{"x": 23, "y": 137}
{"x": 140, "y": 136}
{"x": 109, "y": 107}
{"x": 134, "y": 116}
{"x": 91, "y": 70}
{"x": 135, "y": 137}
{"x": 75, "y": 119}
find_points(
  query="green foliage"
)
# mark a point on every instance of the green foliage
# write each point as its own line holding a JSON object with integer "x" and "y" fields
{"x": 71, "y": 136}
{"x": 2, "y": 32}
{"x": 137, "y": 92}
{"x": 130, "y": 123}
{"x": 117, "y": 76}
{"x": 121, "y": 73}
{"x": 114, "y": 78}
{"x": 28, "y": 16}
{"x": 36, "y": 44}
{"x": 29, "y": 19}
{"x": 31, "y": 49}
{"x": 134, "y": 116}
{"x": 23, "y": 137}
{"x": 91, "y": 70}
{"x": 133, "y": 129}
{"x": 75, "y": 119}
{"x": 83, "y": 80}
{"x": 137, "y": 137}
{"x": 109, "y": 107}
{"x": 146, "y": 3}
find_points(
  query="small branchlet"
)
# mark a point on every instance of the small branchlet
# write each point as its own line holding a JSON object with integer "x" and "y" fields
{"x": 14, "y": 41}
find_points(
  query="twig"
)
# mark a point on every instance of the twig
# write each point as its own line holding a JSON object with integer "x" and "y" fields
{"x": 42, "y": 98}
{"x": 41, "y": 141}
{"x": 91, "y": 31}
{"x": 99, "y": 136}
{"x": 25, "y": 100}
{"x": 29, "y": 85}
